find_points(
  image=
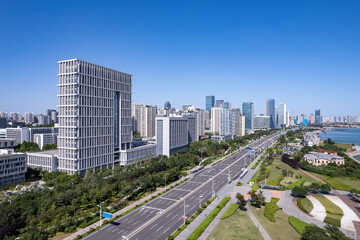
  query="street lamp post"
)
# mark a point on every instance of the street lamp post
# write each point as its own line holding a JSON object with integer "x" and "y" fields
{"x": 200, "y": 201}
{"x": 229, "y": 176}
{"x": 165, "y": 180}
{"x": 100, "y": 212}
{"x": 184, "y": 210}
{"x": 212, "y": 186}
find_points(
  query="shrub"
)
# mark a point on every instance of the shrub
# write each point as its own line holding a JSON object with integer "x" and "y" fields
{"x": 297, "y": 224}
{"x": 325, "y": 188}
{"x": 230, "y": 211}
{"x": 332, "y": 220}
{"x": 201, "y": 228}
{"x": 270, "y": 209}
{"x": 305, "y": 204}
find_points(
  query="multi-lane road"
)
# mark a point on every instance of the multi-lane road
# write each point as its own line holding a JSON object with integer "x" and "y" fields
{"x": 160, "y": 217}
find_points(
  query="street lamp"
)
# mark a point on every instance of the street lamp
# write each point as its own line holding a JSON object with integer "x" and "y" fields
{"x": 165, "y": 180}
{"x": 100, "y": 212}
{"x": 229, "y": 177}
{"x": 212, "y": 187}
{"x": 200, "y": 200}
{"x": 184, "y": 210}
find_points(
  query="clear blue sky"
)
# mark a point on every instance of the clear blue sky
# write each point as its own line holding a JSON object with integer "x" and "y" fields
{"x": 303, "y": 53}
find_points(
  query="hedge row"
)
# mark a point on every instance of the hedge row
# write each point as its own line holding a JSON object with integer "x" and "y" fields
{"x": 201, "y": 228}
{"x": 305, "y": 204}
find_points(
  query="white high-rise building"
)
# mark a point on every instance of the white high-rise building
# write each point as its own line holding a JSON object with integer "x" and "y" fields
{"x": 174, "y": 133}
{"x": 201, "y": 119}
{"x": 221, "y": 121}
{"x": 143, "y": 119}
{"x": 29, "y": 118}
{"x": 94, "y": 116}
{"x": 282, "y": 114}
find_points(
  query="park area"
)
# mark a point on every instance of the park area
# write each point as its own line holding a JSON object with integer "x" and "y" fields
{"x": 237, "y": 226}
{"x": 281, "y": 174}
{"x": 339, "y": 183}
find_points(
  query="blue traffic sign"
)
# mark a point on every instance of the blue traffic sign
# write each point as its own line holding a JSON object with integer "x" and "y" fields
{"x": 107, "y": 215}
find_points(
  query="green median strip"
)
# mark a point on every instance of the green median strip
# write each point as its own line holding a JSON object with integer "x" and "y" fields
{"x": 230, "y": 211}
{"x": 201, "y": 228}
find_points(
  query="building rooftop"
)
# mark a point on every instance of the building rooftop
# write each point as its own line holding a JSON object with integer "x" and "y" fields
{"x": 47, "y": 152}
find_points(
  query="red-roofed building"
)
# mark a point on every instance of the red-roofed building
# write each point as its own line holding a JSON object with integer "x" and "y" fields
{"x": 320, "y": 150}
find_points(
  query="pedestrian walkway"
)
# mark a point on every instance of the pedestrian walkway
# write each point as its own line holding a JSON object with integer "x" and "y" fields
{"x": 312, "y": 176}
{"x": 261, "y": 229}
{"x": 318, "y": 211}
{"x": 134, "y": 204}
{"x": 227, "y": 190}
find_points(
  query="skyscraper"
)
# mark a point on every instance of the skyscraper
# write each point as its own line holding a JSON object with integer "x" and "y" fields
{"x": 219, "y": 102}
{"x": 227, "y": 105}
{"x": 282, "y": 115}
{"x": 248, "y": 111}
{"x": 270, "y": 111}
{"x": 209, "y": 102}
{"x": 94, "y": 116}
{"x": 317, "y": 116}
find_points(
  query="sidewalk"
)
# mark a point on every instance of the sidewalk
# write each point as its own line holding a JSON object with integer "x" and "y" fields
{"x": 227, "y": 190}
{"x": 261, "y": 229}
{"x": 138, "y": 202}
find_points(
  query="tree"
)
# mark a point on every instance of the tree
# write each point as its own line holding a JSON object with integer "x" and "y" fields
{"x": 241, "y": 201}
{"x": 313, "y": 232}
{"x": 49, "y": 146}
{"x": 325, "y": 188}
{"x": 299, "y": 191}
{"x": 315, "y": 186}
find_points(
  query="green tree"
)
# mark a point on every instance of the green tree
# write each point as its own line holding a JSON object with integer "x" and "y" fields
{"x": 325, "y": 188}
{"x": 241, "y": 201}
{"x": 299, "y": 191}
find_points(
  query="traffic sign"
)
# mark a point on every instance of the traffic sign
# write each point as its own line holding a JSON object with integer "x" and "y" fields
{"x": 107, "y": 215}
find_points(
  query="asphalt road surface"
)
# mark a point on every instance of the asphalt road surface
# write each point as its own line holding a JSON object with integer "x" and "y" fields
{"x": 161, "y": 217}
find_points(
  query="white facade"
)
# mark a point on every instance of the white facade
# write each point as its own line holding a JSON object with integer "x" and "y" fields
{"x": 261, "y": 122}
{"x": 143, "y": 119}
{"x": 29, "y": 118}
{"x": 7, "y": 143}
{"x": 42, "y": 130}
{"x": 282, "y": 114}
{"x": 172, "y": 134}
{"x": 137, "y": 154}
{"x": 201, "y": 116}
{"x": 20, "y": 135}
{"x": 45, "y": 160}
{"x": 45, "y": 138}
{"x": 239, "y": 125}
{"x": 221, "y": 121}
{"x": 94, "y": 116}
{"x": 12, "y": 167}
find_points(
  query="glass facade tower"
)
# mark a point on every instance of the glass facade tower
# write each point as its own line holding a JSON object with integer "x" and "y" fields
{"x": 271, "y": 112}
{"x": 248, "y": 111}
{"x": 209, "y": 102}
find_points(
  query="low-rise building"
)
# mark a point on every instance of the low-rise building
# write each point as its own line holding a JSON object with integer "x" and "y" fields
{"x": 261, "y": 122}
{"x": 137, "y": 154}
{"x": 45, "y": 138}
{"x": 12, "y": 167}
{"x": 310, "y": 139}
{"x": 44, "y": 160}
{"x": 7, "y": 143}
{"x": 223, "y": 138}
{"x": 323, "y": 157}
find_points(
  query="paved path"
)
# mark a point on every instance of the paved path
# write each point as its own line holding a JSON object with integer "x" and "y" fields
{"x": 312, "y": 176}
{"x": 349, "y": 215}
{"x": 319, "y": 211}
{"x": 228, "y": 190}
{"x": 262, "y": 230}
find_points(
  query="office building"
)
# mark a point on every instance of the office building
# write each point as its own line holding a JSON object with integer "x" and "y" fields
{"x": 3, "y": 123}
{"x": 174, "y": 133}
{"x": 42, "y": 130}
{"x": 7, "y": 143}
{"x": 282, "y": 115}
{"x": 201, "y": 116}
{"x": 185, "y": 107}
{"x": 15, "y": 116}
{"x": 19, "y": 134}
{"x": 261, "y": 122}
{"x": 166, "y": 111}
{"x": 143, "y": 119}
{"x": 3, "y": 115}
{"x": 248, "y": 111}
{"x": 12, "y": 167}
{"x": 209, "y": 102}
{"x": 44, "y": 160}
{"x": 227, "y": 105}
{"x": 167, "y": 105}
{"x": 219, "y": 103}
{"x": 239, "y": 124}
{"x": 54, "y": 117}
{"x": 270, "y": 111}
{"x": 95, "y": 128}
{"x": 311, "y": 119}
{"x": 45, "y": 138}
{"x": 317, "y": 116}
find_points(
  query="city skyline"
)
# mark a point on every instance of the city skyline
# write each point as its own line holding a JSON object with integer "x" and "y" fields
{"x": 171, "y": 55}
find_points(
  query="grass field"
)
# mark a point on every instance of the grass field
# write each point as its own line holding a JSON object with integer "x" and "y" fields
{"x": 279, "y": 230}
{"x": 230, "y": 211}
{"x": 340, "y": 145}
{"x": 333, "y": 212}
{"x": 305, "y": 204}
{"x": 340, "y": 183}
{"x": 276, "y": 172}
{"x": 298, "y": 225}
{"x": 237, "y": 226}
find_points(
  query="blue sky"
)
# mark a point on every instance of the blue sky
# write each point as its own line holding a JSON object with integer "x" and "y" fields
{"x": 303, "y": 53}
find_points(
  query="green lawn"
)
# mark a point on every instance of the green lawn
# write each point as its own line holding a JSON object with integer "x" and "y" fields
{"x": 297, "y": 224}
{"x": 333, "y": 212}
{"x": 238, "y": 226}
{"x": 279, "y": 230}
{"x": 270, "y": 209}
{"x": 230, "y": 211}
{"x": 276, "y": 173}
{"x": 340, "y": 183}
{"x": 305, "y": 204}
